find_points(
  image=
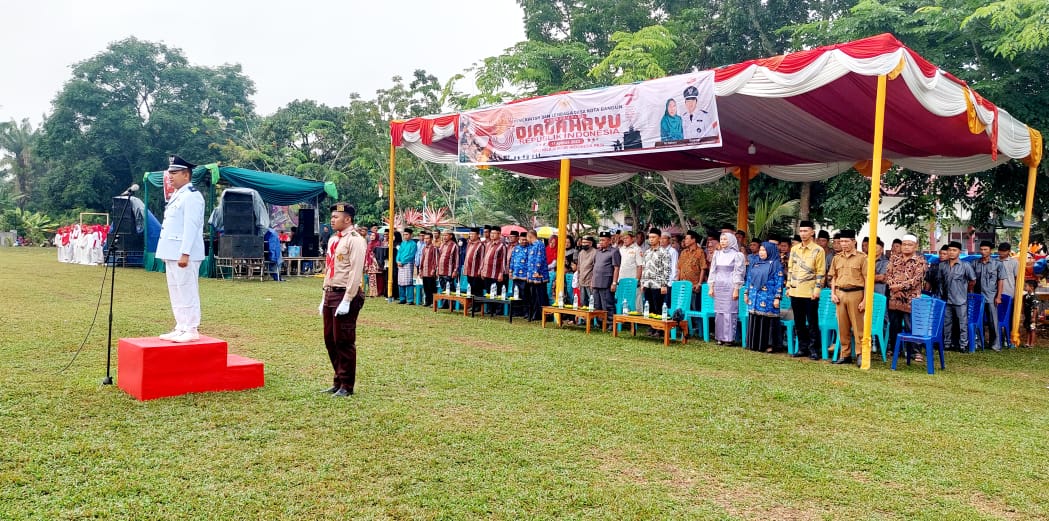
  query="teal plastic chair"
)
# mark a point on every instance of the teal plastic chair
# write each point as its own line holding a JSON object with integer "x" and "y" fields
{"x": 463, "y": 282}
{"x": 625, "y": 290}
{"x": 705, "y": 313}
{"x": 744, "y": 320}
{"x": 788, "y": 325}
{"x": 550, "y": 285}
{"x": 828, "y": 321}
{"x": 879, "y": 330}
{"x": 568, "y": 291}
{"x": 680, "y": 298}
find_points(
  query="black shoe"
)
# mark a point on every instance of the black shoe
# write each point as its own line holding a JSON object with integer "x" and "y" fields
{"x": 330, "y": 390}
{"x": 799, "y": 354}
{"x": 859, "y": 361}
{"x": 401, "y": 302}
{"x": 411, "y": 303}
{"x": 843, "y": 361}
{"x": 342, "y": 393}
{"x": 814, "y": 356}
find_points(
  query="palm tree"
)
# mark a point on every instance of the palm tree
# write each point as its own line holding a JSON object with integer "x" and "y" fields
{"x": 17, "y": 141}
{"x": 769, "y": 211}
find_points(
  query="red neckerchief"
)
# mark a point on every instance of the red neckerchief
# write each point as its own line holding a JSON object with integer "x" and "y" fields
{"x": 331, "y": 255}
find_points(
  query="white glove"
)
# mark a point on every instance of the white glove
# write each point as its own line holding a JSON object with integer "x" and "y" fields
{"x": 320, "y": 308}
{"x": 344, "y": 308}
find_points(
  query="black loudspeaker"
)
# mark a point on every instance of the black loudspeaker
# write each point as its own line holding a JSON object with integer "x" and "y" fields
{"x": 127, "y": 224}
{"x": 241, "y": 246}
{"x": 311, "y": 246}
{"x": 307, "y": 220}
{"x": 128, "y": 242}
{"x": 238, "y": 214}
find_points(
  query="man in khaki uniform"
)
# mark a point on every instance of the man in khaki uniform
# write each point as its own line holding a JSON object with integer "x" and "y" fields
{"x": 848, "y": 274}
{"x": 343, "y": 297}
{"x": 805, "y": 276}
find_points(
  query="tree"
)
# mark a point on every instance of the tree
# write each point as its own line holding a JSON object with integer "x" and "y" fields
{"x": 18, "y": 159}
{"x": 126, "y": 109}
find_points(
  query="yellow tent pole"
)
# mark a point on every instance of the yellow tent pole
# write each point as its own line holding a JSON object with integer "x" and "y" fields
{"x": 868, "y": 290}
{"x": 742, "y": 213}
{"x": 562, "y": 225}
{"x": 1025, "y": 235}
{"x": 391, "y": 273}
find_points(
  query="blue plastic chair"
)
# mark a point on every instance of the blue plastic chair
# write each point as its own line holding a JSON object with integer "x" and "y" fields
{"x": 625, "y": 290}
{"x": 1005, "y": 321}
{"x": 974, "y": 303}
{"x": 926, "y": 319}
{"x": 680, "y": 298}
{"x": 419, "y": 297}
{"x": 705, "y": 313}
{"x": 788, "y": 325}
{"x": 828, "y": 321}
{"x": 744, "y": 320}
{"x": 879, "y": 329}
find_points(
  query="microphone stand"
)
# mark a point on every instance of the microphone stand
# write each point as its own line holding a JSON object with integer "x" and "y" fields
{"x": 111, "y": 262}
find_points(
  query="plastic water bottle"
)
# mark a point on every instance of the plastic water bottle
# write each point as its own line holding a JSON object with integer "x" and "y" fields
{"x": 591, "y": 302}
{"x": 468, "y": 292}
{"x": 560, "y": 300}
{"x": 494, "y": 291}
{"x": 575, "y": 302}
{"x": 516, "y": 295}
{"x": 646, "y": 308}
{"x": 626, "y": 307}
{"x": 664, "y": 311}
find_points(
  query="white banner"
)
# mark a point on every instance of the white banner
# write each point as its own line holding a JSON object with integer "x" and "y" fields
{"x": 676, "y": 112}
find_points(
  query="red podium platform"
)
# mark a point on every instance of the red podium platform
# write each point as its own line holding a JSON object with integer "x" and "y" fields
{"x": 149, "y": 368}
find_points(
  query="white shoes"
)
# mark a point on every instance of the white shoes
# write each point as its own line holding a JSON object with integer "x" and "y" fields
{"x": 186, "y": 336}
{"x": 168, "y": 336}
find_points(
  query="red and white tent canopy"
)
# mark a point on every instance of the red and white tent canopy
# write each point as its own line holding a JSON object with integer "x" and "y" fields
{"x": 810, "y": 116}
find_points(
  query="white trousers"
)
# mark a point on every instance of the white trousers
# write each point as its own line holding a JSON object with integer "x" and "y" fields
{"x": 184, "y": 293}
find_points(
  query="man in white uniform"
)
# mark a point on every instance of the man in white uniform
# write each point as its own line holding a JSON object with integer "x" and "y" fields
{"x": 181, "y": 247}
{"x": 696, "y": 122}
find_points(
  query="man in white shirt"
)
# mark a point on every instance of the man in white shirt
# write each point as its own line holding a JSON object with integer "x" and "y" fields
{"x": 631, "y": 262}
{"x": 181, "y": 247}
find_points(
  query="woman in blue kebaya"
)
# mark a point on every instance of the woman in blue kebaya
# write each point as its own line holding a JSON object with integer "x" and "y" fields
{"x": 763, "y": 292}
{"x": 670, "y": 128}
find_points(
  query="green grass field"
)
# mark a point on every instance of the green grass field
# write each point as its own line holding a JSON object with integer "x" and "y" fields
{"x": 476, "y": 419}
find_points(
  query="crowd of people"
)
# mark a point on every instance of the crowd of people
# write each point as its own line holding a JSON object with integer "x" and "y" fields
{"x": 81, "y": 243}
{"x": 725, "y": 264}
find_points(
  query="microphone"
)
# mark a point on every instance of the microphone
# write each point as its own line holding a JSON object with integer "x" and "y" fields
{"x": 131, "y": 189}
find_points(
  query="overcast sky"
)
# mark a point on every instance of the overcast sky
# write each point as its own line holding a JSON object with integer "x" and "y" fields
{"x": 321, "y": 50}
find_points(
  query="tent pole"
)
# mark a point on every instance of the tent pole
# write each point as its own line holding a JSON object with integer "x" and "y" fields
{"x": 562, "y": 224}
{"x": 876, "y": 168}
{"x": 742, "y": 213}
{"x": 1025, "y": 236}
{"x": 391, "y": 272}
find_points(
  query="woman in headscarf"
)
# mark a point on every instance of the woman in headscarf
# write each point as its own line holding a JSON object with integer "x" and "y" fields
{"x": 726, "y": 280}
{"x": 371, "y": 266}
{"x": 670, "y": 128}
{"x": 763, "y": 292}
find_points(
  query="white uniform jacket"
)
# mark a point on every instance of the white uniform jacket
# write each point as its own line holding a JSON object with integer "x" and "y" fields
{"x": 183, "y": 228}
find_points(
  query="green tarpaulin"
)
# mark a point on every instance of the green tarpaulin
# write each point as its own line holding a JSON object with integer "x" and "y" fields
{"x": 275, "y": 189}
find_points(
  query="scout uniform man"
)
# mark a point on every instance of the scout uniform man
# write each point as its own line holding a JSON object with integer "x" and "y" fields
{"x": 343, "y": 298}
{"x": 181, "y": 247}
{"x": 848, "y": 274}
